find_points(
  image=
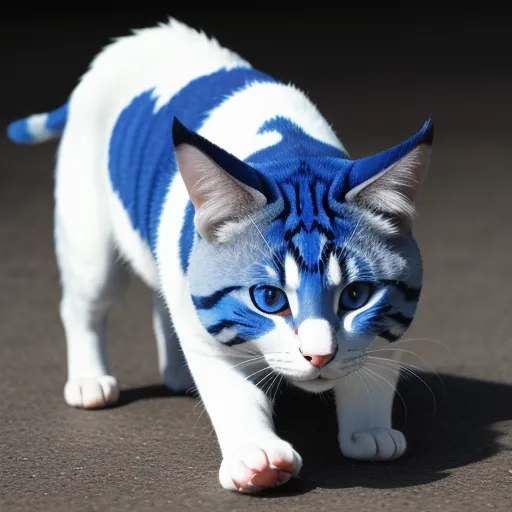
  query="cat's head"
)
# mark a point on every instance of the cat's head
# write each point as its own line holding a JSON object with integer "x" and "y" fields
{"x": 304, "y": 260}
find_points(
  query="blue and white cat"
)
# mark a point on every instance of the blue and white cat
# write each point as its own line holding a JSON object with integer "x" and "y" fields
{"x": 274, "y": 254}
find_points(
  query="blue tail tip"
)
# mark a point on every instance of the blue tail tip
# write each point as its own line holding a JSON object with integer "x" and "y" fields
{"x": 17, "y": 131}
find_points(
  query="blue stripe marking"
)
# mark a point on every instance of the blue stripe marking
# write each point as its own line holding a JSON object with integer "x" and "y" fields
{"x": 18, "y": 131}
{"x": 142, "y": 163}
{"x": 57, "y": 119}
{"x": 212, "y": 300}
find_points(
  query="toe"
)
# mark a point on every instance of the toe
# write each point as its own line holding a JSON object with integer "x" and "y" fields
{"x": 73, "y": 394}
{"x": 282, "y": 456}
{"x": 109, "y": 388}
{"x": 386, "y": 446}
{"x": 91, "y": 393}
{"x": 253, "y": 468}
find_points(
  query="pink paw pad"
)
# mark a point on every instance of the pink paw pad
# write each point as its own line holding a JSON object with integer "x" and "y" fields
{"x": 254, "y": 469}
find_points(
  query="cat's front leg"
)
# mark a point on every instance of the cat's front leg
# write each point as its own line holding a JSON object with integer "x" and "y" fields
{"x": 254, "y": 457}
{"x": 364, "y": 403}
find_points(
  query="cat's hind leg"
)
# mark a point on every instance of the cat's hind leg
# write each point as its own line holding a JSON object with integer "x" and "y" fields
{"x": 171, "y": 360}
{"x": 91, "y": 275}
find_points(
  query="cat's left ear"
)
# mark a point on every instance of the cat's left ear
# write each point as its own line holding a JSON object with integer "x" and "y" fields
{"x": 223, "y": 189}
{"x": 389, "y": 182}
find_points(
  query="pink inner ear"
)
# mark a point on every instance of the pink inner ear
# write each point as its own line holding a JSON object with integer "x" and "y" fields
{"x": 218, "y": 198}
{"x": 194, "y": 166}
{"x": 394, "y": 190}
{"x": 404, "y": 177}
{"x": 412, "y": 171}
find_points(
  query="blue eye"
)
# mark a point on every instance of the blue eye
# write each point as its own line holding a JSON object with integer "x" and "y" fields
{"x": 356, "y": 295}
{"x": 270, "y": 299}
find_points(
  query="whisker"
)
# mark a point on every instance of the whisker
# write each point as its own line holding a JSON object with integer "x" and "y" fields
{"x": 272, "y": 252}
{"x": 268, "y": 384}
{"x": 200, "y": 414}
{"x": 428, "y": 365}
{"x": 414, "y": 374}
{"x": 403, "y": 363}
{"x": 430, "y": 340}
{"x": 253, "y": 360}
{"x": 361, "y": 377}
{"x": 277, "y": 387}
{"x": 349, "y": 240}
{"x": 409, "y": 371}
{"x": 324, "y": 400}
{"x": 269, "y": 390}
{"x": 265, "y": 377}
{"x": 391, "y": 386}
{"x": 256, "y": 372}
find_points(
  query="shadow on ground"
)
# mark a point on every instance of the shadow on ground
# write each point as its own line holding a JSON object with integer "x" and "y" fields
{"x": 457, "y": 432}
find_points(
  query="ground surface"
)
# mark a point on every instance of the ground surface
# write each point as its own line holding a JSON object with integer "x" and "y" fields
{"x": 377, "y": 83}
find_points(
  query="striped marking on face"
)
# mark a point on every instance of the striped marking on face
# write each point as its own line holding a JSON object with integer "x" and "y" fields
{"x": 349, "y": 317}
{"x": 292, "y": 283}
{"x": 333, "y": 271}
{"x": 227, "y": 334}
{"x": 352, "y": 269}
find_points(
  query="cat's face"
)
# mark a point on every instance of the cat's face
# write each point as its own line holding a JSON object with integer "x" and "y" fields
{"x": 308, "y": 292}
{"x": 307, "y": 261}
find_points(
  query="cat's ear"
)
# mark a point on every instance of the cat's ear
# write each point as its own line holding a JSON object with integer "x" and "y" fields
{"x": 388, "y": 183}
{"x": 224, "y": 190}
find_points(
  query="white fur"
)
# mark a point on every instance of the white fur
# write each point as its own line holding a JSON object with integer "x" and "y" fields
{"x": 364, "y": 406}
{"x": 291, "y": 273}
{"x": 352, "y": 269}
{"x": 37, "y": 127}
{"x": 251, "y": 107}
{"x": 227, "y": 334}
{"x": 333, "y": 271}
{"x": 90, "y": 224}
{"x": 292, "y": 283}
{"x": 316, "y": 337}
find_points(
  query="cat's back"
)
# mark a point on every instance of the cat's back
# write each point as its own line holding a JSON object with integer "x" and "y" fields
{"x": 161, "y": 59}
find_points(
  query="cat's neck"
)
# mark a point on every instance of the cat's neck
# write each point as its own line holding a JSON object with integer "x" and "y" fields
{"x": 270, "y": 120}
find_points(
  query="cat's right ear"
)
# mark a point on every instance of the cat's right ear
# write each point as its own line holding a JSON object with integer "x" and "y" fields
{"x": 213, "y": 178}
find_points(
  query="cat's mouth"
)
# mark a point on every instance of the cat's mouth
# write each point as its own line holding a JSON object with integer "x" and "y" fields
{"x": 319, "y": 380}
{"x": 327, "y": 378}
{"x": 315, "y": 385}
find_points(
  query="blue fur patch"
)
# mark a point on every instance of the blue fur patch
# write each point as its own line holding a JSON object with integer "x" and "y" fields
{"x": 141, "y": 153}
{"x": 19, "y": 131}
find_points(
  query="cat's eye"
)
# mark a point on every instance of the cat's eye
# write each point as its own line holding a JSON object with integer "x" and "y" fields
{"x": 356, "y": 295}
{"x": 270, "y": 299}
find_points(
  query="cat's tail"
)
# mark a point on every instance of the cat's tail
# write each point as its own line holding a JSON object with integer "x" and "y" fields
{"x": 39, "y": 127}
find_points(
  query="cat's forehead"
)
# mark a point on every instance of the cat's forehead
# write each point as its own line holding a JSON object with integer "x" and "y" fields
{"x": 307, "y": 228}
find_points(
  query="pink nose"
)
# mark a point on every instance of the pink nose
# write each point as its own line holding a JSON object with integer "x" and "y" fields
{"x": 319, "y": 361}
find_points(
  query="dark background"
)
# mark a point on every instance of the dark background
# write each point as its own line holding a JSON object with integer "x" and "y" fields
{"x": 376, "y": 74}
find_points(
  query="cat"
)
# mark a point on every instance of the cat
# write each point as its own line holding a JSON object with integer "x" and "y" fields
{"x": 274, "y": 254}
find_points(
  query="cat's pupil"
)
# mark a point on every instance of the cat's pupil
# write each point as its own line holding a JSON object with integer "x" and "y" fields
{"x": 353, "y": 295}
{"x": 270, "y": 296}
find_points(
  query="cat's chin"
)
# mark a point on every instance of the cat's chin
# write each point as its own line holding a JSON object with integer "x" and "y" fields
{"x": 318, "y": 385}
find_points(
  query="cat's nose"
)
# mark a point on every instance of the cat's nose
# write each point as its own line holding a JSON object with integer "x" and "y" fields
{"x": 319, "y": 361}
{"x": 317, "y": 342}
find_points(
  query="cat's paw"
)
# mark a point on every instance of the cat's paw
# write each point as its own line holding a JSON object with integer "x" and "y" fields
{"x": 374, "y": 444}
{"x": 91, "y": 393}
{"x": 255, "y": 467}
